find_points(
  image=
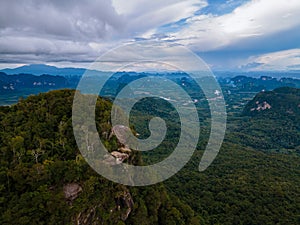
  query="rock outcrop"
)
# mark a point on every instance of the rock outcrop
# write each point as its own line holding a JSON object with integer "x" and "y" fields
{"x": 261, "y": 106}
{"x": 71, "y": 191}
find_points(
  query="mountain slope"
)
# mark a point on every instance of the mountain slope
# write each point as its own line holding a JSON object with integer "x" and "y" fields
{"x": 256, "y": 175}
{"x": 271, "y": 121}
{"x": 45, "y": 180}
{"x": 281, "y": 102}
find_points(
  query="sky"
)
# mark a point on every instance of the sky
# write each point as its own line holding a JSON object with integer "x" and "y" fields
{"x": 242, "y": 35}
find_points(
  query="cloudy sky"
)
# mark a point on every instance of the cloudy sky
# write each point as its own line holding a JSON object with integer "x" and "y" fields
{"x": 227, "y": 35}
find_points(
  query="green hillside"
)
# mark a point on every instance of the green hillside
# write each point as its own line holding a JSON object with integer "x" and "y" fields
{"x": 45, "y": 180}
{"x": 282, "y": 103}
{"x": 271, "y": 121}
{"x": 254, "y": 179}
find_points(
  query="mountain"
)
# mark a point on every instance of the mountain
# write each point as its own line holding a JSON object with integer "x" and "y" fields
{"x": 40, "y": 69}
{"x": 13, "y": 87}
{"x": 256, "y": 74}
{"x": 25, "y": 81}
{"x": 282, "y": 103}
{"x": 45, "y": 180}
{"x": 256, "y": 175}
{"x": 262, "y": 83}
{"x": 271, "y": 122}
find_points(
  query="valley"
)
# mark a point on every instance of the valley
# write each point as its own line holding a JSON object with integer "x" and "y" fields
{"x": 254, "y": 179}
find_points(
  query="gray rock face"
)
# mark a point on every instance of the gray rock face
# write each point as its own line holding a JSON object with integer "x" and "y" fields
{"x": 125, "y": 204}
{"x": 71, "y": 191}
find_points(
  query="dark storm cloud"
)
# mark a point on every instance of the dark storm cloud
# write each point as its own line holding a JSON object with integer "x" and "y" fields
{"x": 79, "y": 30}
{"x": 63, "y": 19}
{"x": 33, "y": 50}
{"x": 82, "y": 30}
{"x": 54, "y": 30}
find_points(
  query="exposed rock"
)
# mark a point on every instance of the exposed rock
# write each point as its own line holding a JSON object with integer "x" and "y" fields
{"x": 125, "y": 203}
{"x": 109, "y": 160}
{"x": 120, "y": 157}
{"x": 125, "y": 150}
{"x": 261, "y": 106}
{"x": 87, "y": 217}
{"x": 115, "y": 158}
{"x": 123, "y": 134}
{"x": 122, "y": 209}
{"x": 71, "y": 191}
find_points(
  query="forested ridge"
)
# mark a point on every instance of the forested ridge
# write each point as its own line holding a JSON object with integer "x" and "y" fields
{"x": 255, "y": 178}
{"x": 45, "y": 180}
{"x": 271, "y": 121}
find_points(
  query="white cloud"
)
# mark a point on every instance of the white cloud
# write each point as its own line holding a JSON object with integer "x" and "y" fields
{"x": 145, "y": 15}
{"x": 76, "y": 19}
{"x": 91, "y": 20}
{"x": 262, "y": 17}
{"x": 150, "y": 55}
{"x": 258, "y": 18}
{"x": 281, "y": 60}
{"x": 76, "y": 29}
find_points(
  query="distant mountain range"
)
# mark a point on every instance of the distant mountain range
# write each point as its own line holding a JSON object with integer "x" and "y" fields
{"x": 256, "y": 74}
{"x": 41, "y": 69}
{"x": 13, "y": 83}
{"x": 32, "y": 79}
{"x": 263, "y": 83}
{"x": 12, "y": 87}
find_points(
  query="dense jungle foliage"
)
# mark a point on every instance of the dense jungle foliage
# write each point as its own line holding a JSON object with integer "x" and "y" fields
{"x": 255, "y": 179}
